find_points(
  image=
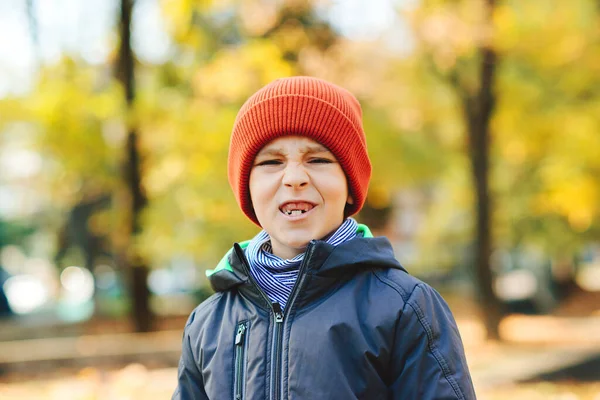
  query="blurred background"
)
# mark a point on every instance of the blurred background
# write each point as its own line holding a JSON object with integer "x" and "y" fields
{"x": 483, "y": 125}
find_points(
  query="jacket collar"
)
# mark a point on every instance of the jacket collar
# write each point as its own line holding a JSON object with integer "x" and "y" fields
{"x": 326, "y": 266}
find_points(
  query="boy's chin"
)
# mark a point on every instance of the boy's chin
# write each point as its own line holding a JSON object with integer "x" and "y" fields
{"x": 299, "y": 237}
{"x": 299, "y": 245}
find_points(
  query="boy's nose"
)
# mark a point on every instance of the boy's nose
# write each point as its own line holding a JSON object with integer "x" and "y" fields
{"x": 295, "y": 176}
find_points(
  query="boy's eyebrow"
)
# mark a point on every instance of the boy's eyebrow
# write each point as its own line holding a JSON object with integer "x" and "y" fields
{"x": 316, "y": 149}
{"x": 277, "y": 151}
{"x": 273, "y": 151}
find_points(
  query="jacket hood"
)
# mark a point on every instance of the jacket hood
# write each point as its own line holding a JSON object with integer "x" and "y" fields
{"x": 325, "y": 264}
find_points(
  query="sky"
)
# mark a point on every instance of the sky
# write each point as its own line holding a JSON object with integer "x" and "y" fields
{"x": 83, "y": 27}
{"x": 86, "y": 27}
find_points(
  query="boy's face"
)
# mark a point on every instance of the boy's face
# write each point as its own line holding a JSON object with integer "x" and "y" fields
{"x": 299, "y": 192}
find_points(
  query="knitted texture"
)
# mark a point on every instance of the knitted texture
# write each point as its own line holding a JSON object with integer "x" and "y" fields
{"x": 302, "y": 106}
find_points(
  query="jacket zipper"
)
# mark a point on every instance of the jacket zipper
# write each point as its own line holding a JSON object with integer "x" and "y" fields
{"x": 275, "y": 353}
{"x": 240, "y": 356}
{"x": 277, "y": 381}
{"x": 278, "y": 317}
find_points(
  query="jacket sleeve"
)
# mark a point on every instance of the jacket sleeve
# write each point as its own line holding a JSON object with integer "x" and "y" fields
{"x": 428, "y": 356}
{"x": 190, "y": 383}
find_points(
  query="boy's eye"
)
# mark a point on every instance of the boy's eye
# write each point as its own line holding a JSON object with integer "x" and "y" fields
{"x": 269, "y": 162}
{"x": 320, "y": 161}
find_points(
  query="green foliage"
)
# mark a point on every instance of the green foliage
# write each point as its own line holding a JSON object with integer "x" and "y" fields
{"x": 545, "y": 171}
{"x": 14, "y": 232}
{"x": 545, "y": 175}
{"x": 547, "y": 122}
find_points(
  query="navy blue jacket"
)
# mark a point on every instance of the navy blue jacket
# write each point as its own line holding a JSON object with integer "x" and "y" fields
{"x": 357, "y": 326}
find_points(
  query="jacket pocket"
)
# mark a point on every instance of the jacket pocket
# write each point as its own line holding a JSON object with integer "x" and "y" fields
{"x": 241, "y": 343}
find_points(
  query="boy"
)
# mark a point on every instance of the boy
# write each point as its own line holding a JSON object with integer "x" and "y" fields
{"x": 314, "y": 307}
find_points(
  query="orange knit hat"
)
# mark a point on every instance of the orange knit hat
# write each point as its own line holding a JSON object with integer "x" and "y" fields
{"x": 303, "y": 106}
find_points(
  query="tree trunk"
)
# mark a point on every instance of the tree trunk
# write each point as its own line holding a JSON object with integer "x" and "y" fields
{"x": 137, "y": 266}
{"x": 478, "y": 111}
{"x": 33, "y": 30}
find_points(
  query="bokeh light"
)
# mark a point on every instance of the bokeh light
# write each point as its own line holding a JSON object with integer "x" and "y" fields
{"x": 25, "y": 293}
{"x": 77, "y": 284}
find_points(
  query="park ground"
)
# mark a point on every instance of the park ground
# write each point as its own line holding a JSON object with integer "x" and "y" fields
{"x": 554, "y": 357}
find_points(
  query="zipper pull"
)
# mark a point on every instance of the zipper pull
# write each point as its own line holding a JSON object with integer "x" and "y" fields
{"x": 239, "y": 336}
{"x": 278, "y": 312}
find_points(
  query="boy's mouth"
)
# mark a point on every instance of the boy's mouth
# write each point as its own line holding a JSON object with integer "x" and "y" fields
{"x": 296, "y": 208}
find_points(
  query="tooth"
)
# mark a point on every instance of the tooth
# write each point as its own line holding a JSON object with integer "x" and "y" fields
{"x": 296, "y": 212}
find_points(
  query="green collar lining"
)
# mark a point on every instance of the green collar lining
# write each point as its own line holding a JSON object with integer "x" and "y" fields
{"x": 366, "y": 232}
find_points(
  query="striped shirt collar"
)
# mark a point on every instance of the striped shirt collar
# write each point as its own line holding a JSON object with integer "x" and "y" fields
{"x": 277, "y": 276}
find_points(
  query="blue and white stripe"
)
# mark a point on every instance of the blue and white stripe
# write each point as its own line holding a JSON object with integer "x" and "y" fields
{"x": 276, "y": 276}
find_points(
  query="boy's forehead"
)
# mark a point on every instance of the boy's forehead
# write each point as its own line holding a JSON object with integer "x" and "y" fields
{"x": 282, "y": 144}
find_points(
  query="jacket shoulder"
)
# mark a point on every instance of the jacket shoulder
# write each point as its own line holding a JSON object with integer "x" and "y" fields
{"x": 399, "y": 281}
{"x": 198, "y": 316}
{"x": 413, "y": 291}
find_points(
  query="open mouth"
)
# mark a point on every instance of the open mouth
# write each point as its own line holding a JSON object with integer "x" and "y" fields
{"x": 295, "y": 209}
